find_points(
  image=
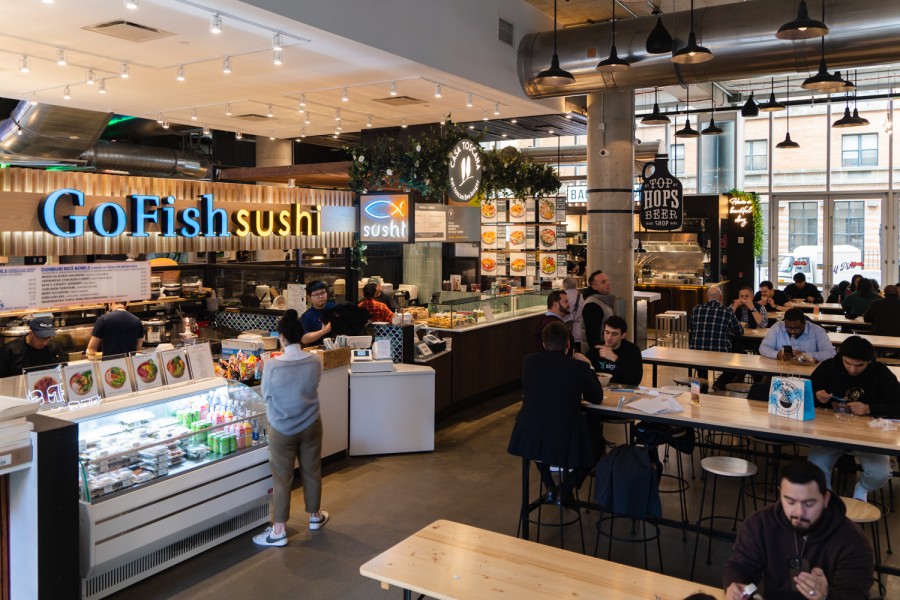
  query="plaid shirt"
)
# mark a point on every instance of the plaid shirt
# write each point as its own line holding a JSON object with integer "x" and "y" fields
{"x": 378, "y": 311}
{"x": 710, "y": 325}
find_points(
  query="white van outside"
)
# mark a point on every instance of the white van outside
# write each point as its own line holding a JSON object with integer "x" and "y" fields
{"x": 848, "y": 261}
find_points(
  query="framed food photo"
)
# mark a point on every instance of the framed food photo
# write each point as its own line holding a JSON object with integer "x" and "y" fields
{"x": 517, "y": 237}
{"x": 46, "y": 387}
{"x": 547, "y": 210}
{"x": 517, "y": 210}
{"x": 489, "y": 237}
{"x": 517, "y": 263}
{"x": 82, "y": 383}
{"x": 115, "y": 376}
{"x": 488, "y": 210}
{"x": 489, "y": 264}
{"x": 145, "y": 368}
{"x": 175, "y": 367}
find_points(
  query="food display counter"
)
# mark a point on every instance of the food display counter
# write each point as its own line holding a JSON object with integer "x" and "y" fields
{"x": 166, "y": 474}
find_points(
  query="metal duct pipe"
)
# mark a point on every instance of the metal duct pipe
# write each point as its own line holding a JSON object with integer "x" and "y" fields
{"x": 145, "y": 160}
{"x": 741, "y": 35}
{"x": 49, "y": 131}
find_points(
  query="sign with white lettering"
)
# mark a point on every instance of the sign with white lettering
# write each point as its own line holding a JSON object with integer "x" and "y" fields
{"x": 576, "y": 193}
{"x": 384, "y": 218}
{"x": 662, "y": 197}
{"x": 740, "y": 210}
{"x": 48, "y": 286}
{"x": 465, "y": 167}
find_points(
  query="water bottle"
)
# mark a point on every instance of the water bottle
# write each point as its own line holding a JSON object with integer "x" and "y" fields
{"x": 255, "y": 423}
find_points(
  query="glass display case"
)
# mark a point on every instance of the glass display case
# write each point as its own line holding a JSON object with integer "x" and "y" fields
{"x": 458, "y": 310}
{"x": 166, "y": 474}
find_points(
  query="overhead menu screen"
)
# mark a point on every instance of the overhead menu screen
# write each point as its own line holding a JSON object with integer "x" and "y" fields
{"x": 48, "y": 286}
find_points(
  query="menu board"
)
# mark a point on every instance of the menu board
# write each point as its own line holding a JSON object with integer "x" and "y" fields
{"x": 200, "y": 360}
{"x": 48, "y": 286}
{"x": 523, "y": 237}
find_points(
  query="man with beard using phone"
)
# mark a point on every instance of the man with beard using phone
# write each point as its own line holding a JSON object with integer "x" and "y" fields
{"x": 804, "y": 546}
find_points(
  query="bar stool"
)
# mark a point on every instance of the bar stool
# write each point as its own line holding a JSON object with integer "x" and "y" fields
{"x": 772, "y": 454}
{"x": 715, "y": 467}
{"x": 666, "y": 327}
{"x": 681, "y": 328}
{"x": 861, "y": 513}
{"x": 568, "y": 515}
{"x": 681, "y": 484}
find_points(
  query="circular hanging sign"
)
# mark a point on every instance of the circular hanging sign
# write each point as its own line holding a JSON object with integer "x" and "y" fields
{"x": 464, "y": 168}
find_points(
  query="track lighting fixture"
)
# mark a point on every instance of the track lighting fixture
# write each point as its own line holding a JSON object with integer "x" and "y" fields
{"x": 67, "y": 94}
{"x": 345, "y": 95}
{"x": 496, "y": 108}
{"x": 277, "y": 57}
{"x": 132, "y": 4}
{"x": 23, "y": 64}
{"x": 469, "y": 101}
{"x": 484, "y": 116}
{"x": 179, "y": 73}
{"x": 228, "y": 112}
{"x": 437, "y": 90}
{"x": 226, "y": 65}
{"x": 101, "y": 89}
{"x": 303, "y": 100}
{"x": 215, "y": 24}
{"x": 238, "y": 135}
{"x": 90, "y": 77}
{"x": 393, "y": 88}
{"x": 33, "y": 101}
{"x": 61, "y": 57}
{"x": 403, "y": 123}
{"x": 269, "y": 113}
{"x": 193, "y": 114}
{"x": 124, "y": 71}
{"x": 277, "y": 43}
{"x": 369, "y": 121}
{"x": 272, "y": 134}
{"x": 554, "y": 75}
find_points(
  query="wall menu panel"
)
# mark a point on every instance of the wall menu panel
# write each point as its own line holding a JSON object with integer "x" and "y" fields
{"x": 48, "y": 286}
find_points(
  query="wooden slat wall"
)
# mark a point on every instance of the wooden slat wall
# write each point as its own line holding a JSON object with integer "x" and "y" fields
{"x": 31, "y": 243}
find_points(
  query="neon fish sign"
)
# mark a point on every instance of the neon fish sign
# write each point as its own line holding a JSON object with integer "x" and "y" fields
{"x": 384, "y": 219}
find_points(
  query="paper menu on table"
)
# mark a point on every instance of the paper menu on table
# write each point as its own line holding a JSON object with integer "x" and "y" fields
{"x": 200, "y": 361}
{"x": 658, "y": 405}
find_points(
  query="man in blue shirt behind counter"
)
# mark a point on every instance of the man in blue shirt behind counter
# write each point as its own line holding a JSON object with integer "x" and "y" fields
{"x": 313, "y": 328}
{"x": 807, "y": 340}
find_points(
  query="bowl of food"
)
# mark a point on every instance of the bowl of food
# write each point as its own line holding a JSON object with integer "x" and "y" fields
{"x": 115, "y": 377}
{"x": 604, "y": 379}
{"x": 488, "y": 264}
{"x": 147, "y": 371}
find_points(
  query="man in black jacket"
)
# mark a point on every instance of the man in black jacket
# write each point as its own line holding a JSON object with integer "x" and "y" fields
{"x": 802, "y": 290}
{"x": 884, "y": 315}
{"x": 551, "y": 428}
{"x": 773, "y": 300}
{"x": 598, "y": 307}
{"x": 618, "y": 356}
{"x": 803, "y": 546}
{"x": 36, "y": 349}
{"x": 869, "y": 388}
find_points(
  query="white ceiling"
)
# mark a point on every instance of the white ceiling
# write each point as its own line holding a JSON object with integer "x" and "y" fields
{"x": 316, "y": 63}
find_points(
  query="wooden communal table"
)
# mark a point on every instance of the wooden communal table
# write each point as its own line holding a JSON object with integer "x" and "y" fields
{"x": 722, "y": 361}
{"x": 824, "y": 319}
{"x": 450, "y": 561}
{"x": 881, "y": 342}
{"x": 828, "y": 307}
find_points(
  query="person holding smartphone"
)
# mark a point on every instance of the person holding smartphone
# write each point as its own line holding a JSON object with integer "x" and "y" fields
{"x": 803, "y": 545}
{"x": 795, "y": 336}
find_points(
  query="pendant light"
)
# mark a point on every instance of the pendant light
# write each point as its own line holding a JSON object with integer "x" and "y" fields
{"x": 659, "y": 41}
{"x": 862, "y": 120}
{"x": 772, "y": 105}
{"x": 802, "y": 28}
{"x": 554, "y": 75}
{"x": 788, "y": 143}
{"x": 847, "y": 120}
{"x": 847, "y": 85}
{"x": 687, "y": 131}
{"x": 613, "y": 63}
{"x": 656, "y": 117}
{"x": 712, "y": 128}
{"x": 692, "y": 53}
{"x": 823, "y": 81}
{"x": 750, "y": 109}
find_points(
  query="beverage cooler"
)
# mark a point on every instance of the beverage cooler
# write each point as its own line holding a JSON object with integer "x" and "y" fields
{"x": 166, "y": 474}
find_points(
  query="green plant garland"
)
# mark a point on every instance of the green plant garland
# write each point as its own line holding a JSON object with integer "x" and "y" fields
{"x": 422, "y": 166}
{"x": 758, "y": 230}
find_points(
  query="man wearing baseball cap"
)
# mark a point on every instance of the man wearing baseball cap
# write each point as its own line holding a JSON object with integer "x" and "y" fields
{"x": 34, "y": 350}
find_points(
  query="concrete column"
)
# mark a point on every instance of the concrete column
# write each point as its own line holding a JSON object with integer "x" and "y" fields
{"x": 610, "y": 176}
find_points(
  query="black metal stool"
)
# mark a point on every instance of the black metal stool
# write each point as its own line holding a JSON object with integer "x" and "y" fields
{"x": 568, "y": 515}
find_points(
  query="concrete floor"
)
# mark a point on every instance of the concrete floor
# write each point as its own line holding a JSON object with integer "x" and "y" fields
{"x": 376, "y": 502}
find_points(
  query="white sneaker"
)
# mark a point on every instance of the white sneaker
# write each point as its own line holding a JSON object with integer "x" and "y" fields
{"x": 860, "y": 493}
{"x": 267, "y": 538}
{"x": 318, "y": 522}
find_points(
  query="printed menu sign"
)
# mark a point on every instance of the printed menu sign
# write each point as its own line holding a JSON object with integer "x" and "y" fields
{"x": 48, "y": 286}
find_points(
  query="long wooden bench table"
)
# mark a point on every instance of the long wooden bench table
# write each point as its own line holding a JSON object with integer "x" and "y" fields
{"x": 881, "y": 342}
{"x": 722, "y": 361}
{"x": 452, "y": 561}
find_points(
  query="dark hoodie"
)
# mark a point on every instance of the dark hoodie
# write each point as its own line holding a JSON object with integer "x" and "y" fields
{"x": 835, "y": 544}
{"x": 876, "y": 386}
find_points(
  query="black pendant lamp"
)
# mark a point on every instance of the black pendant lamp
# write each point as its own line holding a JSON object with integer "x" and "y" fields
{"x": 656, "y": 117}
{"x": 772, "y": 105}
{"x": 659, "y": 41}
{"x": 862, "y": 120}
{"x": 802, "y": 28}
{"x": 750, "y": 109}
{"x": 847, "y": 120}
{"x": 847, "y": 86}
{"x": 823, "y": 81}
{"x": 693, "y": 53}
{"x": 788, "y": 143}
{"x": 613, "y": 63}
{"x": 554, "y": 75}
{"x": 712, "y": 128}
{"x": 687, "y": 131}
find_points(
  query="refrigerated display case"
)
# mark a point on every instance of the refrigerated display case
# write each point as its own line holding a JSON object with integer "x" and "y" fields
{"x": 166, "y": 474}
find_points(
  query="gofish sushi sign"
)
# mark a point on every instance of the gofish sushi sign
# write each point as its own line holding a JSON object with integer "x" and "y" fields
{"x": 57, "y": 214}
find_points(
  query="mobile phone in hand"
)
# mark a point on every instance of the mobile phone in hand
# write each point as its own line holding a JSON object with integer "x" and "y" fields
{"x": 787, "y": 351}
{"x": 797, "y": 565}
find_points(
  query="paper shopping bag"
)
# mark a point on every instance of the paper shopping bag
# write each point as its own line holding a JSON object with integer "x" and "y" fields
{"x": 792, "y": 397}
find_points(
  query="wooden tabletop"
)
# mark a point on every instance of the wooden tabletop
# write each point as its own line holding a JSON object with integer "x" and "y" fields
{"x": 751, "y": 417}
{"x": 450, "y": 561}
{"x": 724, "y": 361}
{"x": 883, "y": 342}
{"x": 829, "y": 319}
{"x": 822, "y": 305}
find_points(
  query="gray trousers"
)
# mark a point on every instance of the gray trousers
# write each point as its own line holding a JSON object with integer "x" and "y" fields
{"x": 283, "y": 450}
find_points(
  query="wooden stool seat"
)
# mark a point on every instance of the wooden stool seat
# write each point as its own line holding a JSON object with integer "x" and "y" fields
{"x": 728, "y": 466}
{"x": 861, "y": 512}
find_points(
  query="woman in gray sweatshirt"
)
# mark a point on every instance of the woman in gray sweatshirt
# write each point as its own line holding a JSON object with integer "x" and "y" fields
{"x": 290, "y": 386}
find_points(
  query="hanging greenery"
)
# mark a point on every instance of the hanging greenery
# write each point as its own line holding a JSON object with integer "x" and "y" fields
{"x": 758, "y": 230}
{"x": 422, "y": 166}
{"x": 358, "y": 260}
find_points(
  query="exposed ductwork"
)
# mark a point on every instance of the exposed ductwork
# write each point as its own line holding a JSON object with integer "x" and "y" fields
{"x": 50, "y": 134}
{"x": 742, "y": 37}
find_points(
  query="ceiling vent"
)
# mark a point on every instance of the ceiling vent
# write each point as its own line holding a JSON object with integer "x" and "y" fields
{"x": 399, "y": 100}
{"x": 252, "y": 117}
{"x": 505, "y": 31}
{"x": 127, "y": 30}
